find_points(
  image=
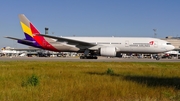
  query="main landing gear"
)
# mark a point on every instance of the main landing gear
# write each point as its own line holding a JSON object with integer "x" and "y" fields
{"x": 88, "y": 55}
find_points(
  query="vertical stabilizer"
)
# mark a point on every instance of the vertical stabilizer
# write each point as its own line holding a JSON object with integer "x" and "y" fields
{"x": 31, "y": 34}
{"x": 27, "y": 27}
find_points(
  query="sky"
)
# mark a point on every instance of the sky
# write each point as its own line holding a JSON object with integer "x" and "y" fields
{"x": 119, "y": 18}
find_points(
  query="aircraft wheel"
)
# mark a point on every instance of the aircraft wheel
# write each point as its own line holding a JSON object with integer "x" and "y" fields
{"x": 157, "y": 58}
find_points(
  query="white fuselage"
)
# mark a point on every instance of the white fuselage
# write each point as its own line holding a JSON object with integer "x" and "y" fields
{"x": 122, "y": 44}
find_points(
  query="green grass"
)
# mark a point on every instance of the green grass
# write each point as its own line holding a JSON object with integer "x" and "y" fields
{"x": 89, "y": 81}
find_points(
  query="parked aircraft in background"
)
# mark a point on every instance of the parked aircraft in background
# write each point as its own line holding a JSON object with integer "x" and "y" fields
{"x": 8, "y": 51}
{"x": 90, "y": 46}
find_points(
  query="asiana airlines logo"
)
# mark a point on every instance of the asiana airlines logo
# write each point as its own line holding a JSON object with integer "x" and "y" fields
{"x": 142, "y": 44}
{"x": 151, "y": 42}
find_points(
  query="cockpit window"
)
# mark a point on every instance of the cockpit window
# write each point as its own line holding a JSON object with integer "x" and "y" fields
{"x": 168, "y": 43}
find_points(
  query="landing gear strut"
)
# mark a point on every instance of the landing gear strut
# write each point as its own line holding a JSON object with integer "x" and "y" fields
{"x": 88, "y": 55}
{"x": 157, "y": 57}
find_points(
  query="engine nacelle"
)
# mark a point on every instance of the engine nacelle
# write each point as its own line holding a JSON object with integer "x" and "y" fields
{"x": 107, "y": 51}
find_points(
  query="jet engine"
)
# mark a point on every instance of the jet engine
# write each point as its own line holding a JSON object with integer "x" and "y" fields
{"x": 108, "y": 51}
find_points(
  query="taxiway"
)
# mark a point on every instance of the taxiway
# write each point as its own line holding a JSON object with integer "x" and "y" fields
{"x": 76, "y": 59}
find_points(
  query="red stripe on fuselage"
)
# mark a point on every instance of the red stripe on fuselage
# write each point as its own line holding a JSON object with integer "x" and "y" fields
{"x": 40, "y": 39}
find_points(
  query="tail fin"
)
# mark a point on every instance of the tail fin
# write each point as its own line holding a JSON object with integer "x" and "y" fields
{"x": 31, "y": 34}
{"x": 28, "y": 28}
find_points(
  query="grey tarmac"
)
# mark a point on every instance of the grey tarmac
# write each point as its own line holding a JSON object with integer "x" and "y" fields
{"x": 76, "y": 59}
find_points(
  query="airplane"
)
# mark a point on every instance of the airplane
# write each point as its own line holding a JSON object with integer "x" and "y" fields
{"x": 91, "y": 47}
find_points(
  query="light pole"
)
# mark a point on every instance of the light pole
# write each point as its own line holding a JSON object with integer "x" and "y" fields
{"x": 155, "y": 32}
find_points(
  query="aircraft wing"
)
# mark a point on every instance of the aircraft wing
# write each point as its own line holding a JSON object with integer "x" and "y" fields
{"x": 27, "y": 41}
{"x": 70, "y": 41}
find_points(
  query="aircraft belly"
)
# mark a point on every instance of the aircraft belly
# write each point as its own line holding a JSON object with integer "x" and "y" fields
{"x": 66, "y": 48}
{"x": 137, "y": 50}
{"x": 147, "y": 49}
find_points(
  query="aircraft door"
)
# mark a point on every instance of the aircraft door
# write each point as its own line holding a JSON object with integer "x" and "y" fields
{"x": 126, "y": 43}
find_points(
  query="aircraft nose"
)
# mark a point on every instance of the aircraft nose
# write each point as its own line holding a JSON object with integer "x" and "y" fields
{"x": 171, "y": 47}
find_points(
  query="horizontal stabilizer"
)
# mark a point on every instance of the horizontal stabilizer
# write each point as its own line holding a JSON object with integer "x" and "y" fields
{"x": 27, "y": 41}
{"x": 26, "y": 49}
